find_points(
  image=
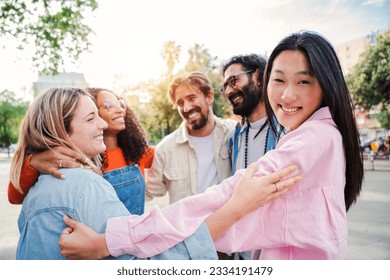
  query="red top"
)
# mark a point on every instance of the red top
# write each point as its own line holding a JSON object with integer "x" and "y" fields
{"x": 115, "y": 160}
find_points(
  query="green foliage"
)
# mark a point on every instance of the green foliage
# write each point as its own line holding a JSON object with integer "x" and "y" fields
{"x": 370, "y": 80}
{"x": 12, "y": 111}
{"x": 159, "y": 118}
{"x": 54, "y": 26}
{"x": 384, "y": 119}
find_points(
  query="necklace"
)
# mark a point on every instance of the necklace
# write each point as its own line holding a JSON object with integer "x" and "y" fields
{"x": 247, "y": 138}
{"x": 246, "y": 148}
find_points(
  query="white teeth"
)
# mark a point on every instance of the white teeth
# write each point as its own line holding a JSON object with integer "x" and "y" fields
{"x": 236, "y": 99}
{"x": 192, "y": 115}
{"x": 99, "y": 138}
{"x": 121, "y": 119}
{"x": 289, "y": 110}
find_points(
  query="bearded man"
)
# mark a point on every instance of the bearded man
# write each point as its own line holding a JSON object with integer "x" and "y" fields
{"x": 252, "y": 137}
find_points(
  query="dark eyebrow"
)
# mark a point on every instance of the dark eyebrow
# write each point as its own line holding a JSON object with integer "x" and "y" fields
{"x": 191, "y": 95}
{"x": 305, "y": 72}
{"x": 278, "y": 71}
{"x": 236, "y": 75}
{"x": 227, "y": 79}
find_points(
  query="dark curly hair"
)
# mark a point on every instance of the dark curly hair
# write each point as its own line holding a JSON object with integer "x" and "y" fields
{"x": 132, "y": 140}
{"x": 248, "y": 62}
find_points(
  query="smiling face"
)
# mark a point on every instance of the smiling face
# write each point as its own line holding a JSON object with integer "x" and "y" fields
{"x": 244, "y": 96}
{"x": 111, "y": 111}
{"x": 193, "y": 107}
{"x": 86, "y": 128}
{"x": 294, "y": 93}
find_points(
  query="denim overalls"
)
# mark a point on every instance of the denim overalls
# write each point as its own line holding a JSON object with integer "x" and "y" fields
{"x": 129, "y": 184}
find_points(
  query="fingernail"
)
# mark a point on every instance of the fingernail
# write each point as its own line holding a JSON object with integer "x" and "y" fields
{"x": 62, "y": 176}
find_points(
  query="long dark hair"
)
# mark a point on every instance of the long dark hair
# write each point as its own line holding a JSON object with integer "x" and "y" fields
{"x": 132, "y": 140}
{"x": 326, "y": 68}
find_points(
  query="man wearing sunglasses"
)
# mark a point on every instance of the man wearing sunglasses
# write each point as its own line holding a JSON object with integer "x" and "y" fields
{"x": 252, "y": 137}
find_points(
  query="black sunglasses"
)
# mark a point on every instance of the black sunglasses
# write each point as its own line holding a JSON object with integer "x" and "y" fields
{"x": 231, "y": 81}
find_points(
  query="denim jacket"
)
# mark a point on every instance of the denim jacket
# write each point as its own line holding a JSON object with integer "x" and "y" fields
{"x": 88, "y": 198}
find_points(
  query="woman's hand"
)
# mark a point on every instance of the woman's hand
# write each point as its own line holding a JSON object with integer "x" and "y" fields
{"x": 79, "y": 242}
{"x": 52, "y": 160}
{"x": 250, "y": 193}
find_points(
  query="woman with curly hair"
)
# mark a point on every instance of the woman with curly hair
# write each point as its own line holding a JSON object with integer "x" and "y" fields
{"x": 127, "y": 153}
{"x": 124, "y": 161}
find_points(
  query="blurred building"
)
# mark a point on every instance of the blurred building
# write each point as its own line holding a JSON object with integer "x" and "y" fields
{"x": 71, "y": 79}
{"x": 349, "y": 55}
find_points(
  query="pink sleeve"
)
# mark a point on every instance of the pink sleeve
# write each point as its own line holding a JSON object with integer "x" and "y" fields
{"x": 160, "y": 229}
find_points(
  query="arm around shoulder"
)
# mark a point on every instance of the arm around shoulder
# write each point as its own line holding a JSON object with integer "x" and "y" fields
{"x": 28, "y": 177}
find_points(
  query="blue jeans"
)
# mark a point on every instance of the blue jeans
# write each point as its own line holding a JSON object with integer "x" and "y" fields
{"x": 129, "y": 185}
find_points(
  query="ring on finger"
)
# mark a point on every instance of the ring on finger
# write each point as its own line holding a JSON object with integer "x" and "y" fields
{"x": 277, "y": 187}
{"x": 60, "y": 165}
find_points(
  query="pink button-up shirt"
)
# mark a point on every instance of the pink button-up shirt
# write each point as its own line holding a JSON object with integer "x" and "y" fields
{"x": 309, "y": 222}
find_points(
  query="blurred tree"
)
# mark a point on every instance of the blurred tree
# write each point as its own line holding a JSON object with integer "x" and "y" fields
{"x": 159, "y": 117}
{"x": 54, "y": 27}
{"x": 384, "y": 119}
{"x": 200, "y": 59}
{"x": 171, "y": 54}
{"x": 369, "y": 82}
{"x": 134, "y": 102}
{"x": 12, "y": 111}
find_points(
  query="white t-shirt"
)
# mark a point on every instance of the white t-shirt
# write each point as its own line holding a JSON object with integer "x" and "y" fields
{"x": 207, "y": 169}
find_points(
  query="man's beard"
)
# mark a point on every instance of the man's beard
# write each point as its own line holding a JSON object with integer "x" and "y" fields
{"x": 251, "y": 98}
{"x": 198, "y": 124}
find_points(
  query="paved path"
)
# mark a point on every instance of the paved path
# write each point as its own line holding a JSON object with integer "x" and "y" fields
{"x": 369, "y": 219}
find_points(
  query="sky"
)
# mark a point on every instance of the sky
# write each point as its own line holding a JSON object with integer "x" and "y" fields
{"x": 129, "y": 34}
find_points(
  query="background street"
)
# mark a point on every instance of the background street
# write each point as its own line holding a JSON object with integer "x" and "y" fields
{"x": 369, "y": 219}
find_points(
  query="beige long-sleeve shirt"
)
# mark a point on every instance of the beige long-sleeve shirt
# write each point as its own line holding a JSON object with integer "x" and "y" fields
{"x": 174, "y": 168}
